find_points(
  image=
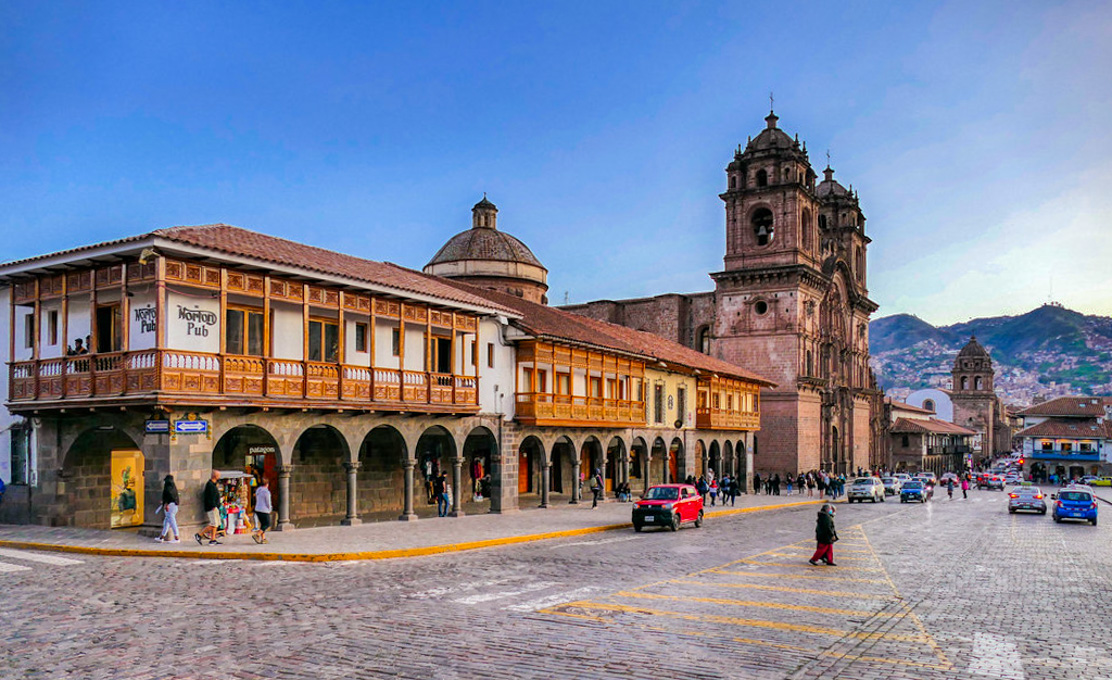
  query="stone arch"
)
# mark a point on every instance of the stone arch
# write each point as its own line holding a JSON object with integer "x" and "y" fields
{"x": 253, "y": 448}
{"x": 434, "y": 451}
{"x": 728, "y": 462}
{"x": 617, "y": 464}
{"x": 99, "y": 479}
{"x": 700, "y": 458}
{"x": 676, "y": 453}
{"x": 762, "y": 222}
{"x": 531, "y": 460}
{"x": 564, "y": 477}
{"x": 742, "y": 471}
{"x": 714, "y": 458}
{"x": 318, "y": 483}
{"x": 382, "y": 454}
{"x": 480, "y": 449}
{"x": 638, "y": 464}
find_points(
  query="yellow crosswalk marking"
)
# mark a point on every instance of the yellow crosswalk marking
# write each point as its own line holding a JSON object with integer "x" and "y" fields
{"x": 803, "y": 566}
{"x": 751, "y": 603}
{"x": 800, "y": 576}
{"x": 783, "y": 589}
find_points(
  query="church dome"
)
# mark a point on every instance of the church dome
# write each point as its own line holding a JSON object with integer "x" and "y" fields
{"x": 490, "y": 258}
{"x": 830, "y": 187}
{"x": 771, "y": 138}
{"x": 974, "y": 350}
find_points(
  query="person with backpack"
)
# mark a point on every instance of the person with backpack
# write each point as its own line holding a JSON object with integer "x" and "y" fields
{"x": 596, "y": 488}
{"x": 825, "y": 536}
{"x": 713, "y": 491}
{"x": 702, "y": 488}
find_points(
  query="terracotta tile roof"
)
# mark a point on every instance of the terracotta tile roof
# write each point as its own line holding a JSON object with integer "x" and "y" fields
{"x": 904, "y": 406}
{"x": 235, "y": 241}
{"x": 551, "y": 322}
{"x": 1069, "y": 428}
{"x": 929, "y": 426}
{"x": 1076, "y": 407}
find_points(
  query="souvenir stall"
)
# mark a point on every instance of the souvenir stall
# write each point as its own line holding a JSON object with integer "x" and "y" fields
{"x": 236, "y": 490}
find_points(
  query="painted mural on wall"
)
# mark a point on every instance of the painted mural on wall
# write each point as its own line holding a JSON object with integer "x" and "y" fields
{"x": 127, "y": 488}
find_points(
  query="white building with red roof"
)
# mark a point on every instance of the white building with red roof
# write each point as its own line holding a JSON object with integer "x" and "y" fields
{"x": 1069, "y": 437}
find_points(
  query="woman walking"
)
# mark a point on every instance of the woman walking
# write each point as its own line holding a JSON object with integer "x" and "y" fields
{"x": 170, "y": 503}
{"x": 825, "y": 536}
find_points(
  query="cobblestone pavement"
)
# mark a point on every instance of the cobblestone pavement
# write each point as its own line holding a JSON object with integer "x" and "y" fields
{"x": 946, "y": 590}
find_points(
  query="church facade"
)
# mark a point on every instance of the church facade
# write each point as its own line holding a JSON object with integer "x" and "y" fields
{"x": 791, "y": 302}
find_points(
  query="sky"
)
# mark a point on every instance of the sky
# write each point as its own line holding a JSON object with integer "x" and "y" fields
{"x": 976, "y": 133}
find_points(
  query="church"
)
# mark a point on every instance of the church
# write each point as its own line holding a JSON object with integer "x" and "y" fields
{"x": 791, "y": 301}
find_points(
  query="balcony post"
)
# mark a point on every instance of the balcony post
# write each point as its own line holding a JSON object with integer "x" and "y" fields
{"x": 284, "y": 523}
{"x": 457, "y": 484}
{"x": 352, "y": 518}
{"x": 407, "y": 512}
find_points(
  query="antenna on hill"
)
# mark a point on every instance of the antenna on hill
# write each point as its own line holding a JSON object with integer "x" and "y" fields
{"x": 566, "y": 299}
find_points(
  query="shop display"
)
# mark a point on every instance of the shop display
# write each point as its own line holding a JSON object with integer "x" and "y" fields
{"x": 235, "y": 506}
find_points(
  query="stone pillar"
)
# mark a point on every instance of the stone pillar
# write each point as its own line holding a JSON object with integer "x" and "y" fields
{"x": 577, "y": 469}
{"x": 457, "y": 484}
{"x": 407, "y": 513}
{"x": 352, "y": 518}
{"x": 602, "y": 471}
{"x": 284, "y": 523}
{"x": 546, "y": 482}
{"x": 648, "y": 469}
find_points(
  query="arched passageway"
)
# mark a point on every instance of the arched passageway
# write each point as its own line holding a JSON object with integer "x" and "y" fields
{"x": 676, "y": 462}
{"x": 728, "y": 461}
{"x": 658, "y": 463}
{"x": 103, "y": 478}
{"x": 318, "y": 487}
{"x": 250, "y": 450}
{"x": 381, "y": 474}
{"x": 715, "y": 459}
{"x": 638, "y": 465}
{"x": 565, "y": 474}
{"x": 479, "y": 450}
{"x": 617, "y": 462}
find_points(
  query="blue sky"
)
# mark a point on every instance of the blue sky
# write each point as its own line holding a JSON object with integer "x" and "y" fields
{"x": 976, "y": 133}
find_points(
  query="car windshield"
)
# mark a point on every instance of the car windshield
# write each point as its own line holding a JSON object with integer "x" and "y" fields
{"x": 1074, "y": 496}
{"x": 888, "y": 480}
{"x": 863, "y": 480}
{"x": 1026, "y": 490}
{"x": 912, "y": 485}
{"x": 662, "y": 494}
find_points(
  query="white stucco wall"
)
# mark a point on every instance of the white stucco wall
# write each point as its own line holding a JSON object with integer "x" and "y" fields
{"x": 943, "y": 405}
{"x": 142, "y": 322}
{"x": 287, "y": 331}
{"x": 192, "y": 324}
{"x": 496, "y": 385}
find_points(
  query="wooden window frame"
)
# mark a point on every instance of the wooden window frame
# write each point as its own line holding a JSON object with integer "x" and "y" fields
{"x": 323, "y": 321}
{"x": 361, "y": 330}
{"x": 246, "y": 328}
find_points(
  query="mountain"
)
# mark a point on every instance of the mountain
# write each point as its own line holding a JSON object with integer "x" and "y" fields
{"x": 1049, "y": 351}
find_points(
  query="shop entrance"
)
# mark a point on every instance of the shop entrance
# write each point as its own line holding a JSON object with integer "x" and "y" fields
{"x": 477, "y": 460}
{"x": 244, "y": 456}
{"x": 529, "y": 461}
{"x": 102, "y": 481}
{"x": 615, "y": 455}
{"x": 675, "y": 453}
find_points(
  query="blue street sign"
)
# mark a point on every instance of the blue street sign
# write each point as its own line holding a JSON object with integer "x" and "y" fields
{"x": 191, "y": 426}
{"x": 157, "y": 426}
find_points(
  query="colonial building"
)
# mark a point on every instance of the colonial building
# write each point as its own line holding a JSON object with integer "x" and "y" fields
{"x": 1069, "y": 437}
{"x": 792, "y": 302}
{"x": 917, "y": 441}
{"x": 348, "y": 383}
{"x": 974, "y": 401}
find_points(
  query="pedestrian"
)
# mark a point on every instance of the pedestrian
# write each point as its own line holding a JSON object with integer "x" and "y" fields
{"x": 713, "y": 491}
{"x": 263, "y": 508}
{"x": 756, "y": 483}
{"x": 596, "y": 488}
{"x": 965, "y": 488}
{"x": 702, "y": 488}
{"x": 210, "y": 501}
{"x": 825, "y": 536}
{"x": 776, "y": 484}
{"x": 440, "y": 488}
{"x": 950, "y": 487}
{"x": 169, "y": 508}
{"x": 820, "y": 481}
{"x": 810, "y": 484}
{"x": 789, "y": 480}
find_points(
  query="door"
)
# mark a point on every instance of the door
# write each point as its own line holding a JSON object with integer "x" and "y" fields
{"x": 673, "y": 467}
{"x": 127, "y": 488}
{"x": 524, "y": 471}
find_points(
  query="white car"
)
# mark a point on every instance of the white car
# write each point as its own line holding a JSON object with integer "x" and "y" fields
{"x": 892, "y": 485}
{"x": 866, "y": 489}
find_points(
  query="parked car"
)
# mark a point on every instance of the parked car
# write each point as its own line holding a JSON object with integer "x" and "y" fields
{"x": 1026, "y": 497}
{"x": 948, "y": 476}
{"x": 866, "y": 489}
{"x": 1101, "y": 481}
{"x": 891, "y": 485}
{"x": 913, "y": 490}
{"x": 1075, "y": 502}
{"x": 668, "y": 505}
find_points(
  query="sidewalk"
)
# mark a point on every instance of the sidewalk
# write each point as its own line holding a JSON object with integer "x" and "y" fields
{"x": 378, "y": 540}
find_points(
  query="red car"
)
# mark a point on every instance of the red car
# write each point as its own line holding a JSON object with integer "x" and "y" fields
{"x": 668, "y": 505}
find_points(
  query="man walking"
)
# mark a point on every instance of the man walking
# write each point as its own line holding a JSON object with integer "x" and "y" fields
{"x": 440, "y": 490}
{"x": 211, "y": 504}
{"x": 596, "y": 488}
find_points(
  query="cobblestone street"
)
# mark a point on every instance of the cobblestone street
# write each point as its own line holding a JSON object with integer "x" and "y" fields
{"x": 950, "y": 589}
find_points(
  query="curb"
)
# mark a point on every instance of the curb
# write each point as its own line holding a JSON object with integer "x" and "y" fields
{"x": 370, "y": 555}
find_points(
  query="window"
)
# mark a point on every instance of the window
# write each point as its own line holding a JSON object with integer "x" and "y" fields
{"x": 563, "y": 383}
{"x": 978, "y": 383}
{"x": 595, "y": 387}
{"x": 396, "y": 343}
{"x": 762, "y": 226}
{"x": 762, "y": 178}
{"x": 442, "y": 354}
{"x": 658, "y": 403}
{"x": 324, "y": 341}
{"x": 702, "y": 341}
{"x": 360, "y": 337}
{"x": 905, "y": 441}
{"x": 52, "y": 326}
{"x": 474, "y": 353}
{"x": 20, "y": 454}
{"x": 733, "y": 181}
{"x": 761, "y": 307}
{"x": 681, "y": 406}
{"x": 29, "y": 331}
{"x": 108, "y": 325}
{"x": 490, "y": 355}
{"x": 964, "y": 383}
{"x": 243, "y": 332}
{"x": 810, "y": 367}
{"x": 928, "y": 404}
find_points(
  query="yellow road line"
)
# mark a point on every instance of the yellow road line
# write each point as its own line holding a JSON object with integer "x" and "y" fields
{"x": 803, "y": 566}
{"x": 760, "y": 574}
{"x": 839, "y": 558}
{"x": 810, "y": 547}
{"x": 785, "y": 589}
{"x": 752, "y": 623}
{"x": 750, "y": 603}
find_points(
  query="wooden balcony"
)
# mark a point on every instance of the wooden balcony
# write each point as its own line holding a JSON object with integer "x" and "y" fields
{"x": 542, "y": 408}
{"x": 721, "y": 419}
{"x": 192, "y": 377}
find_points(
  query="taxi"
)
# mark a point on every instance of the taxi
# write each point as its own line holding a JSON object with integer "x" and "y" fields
{"x": 1075, "y": 502}
{"x": 668, "y": 505}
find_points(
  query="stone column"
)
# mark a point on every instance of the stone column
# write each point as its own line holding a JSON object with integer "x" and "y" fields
{"x": 546, "y": 482}
{"x": 407, "y": 513}
{"x": 577, "y": 469}
{"x": 284, "y": 523}
{"x": 457, "y": 485}
{"x": 647, "y": 479}
{"x": 602, "y": 471}
{"x": 352, "y": 518}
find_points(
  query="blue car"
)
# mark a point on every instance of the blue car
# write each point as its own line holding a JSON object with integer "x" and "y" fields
{"x": 913, "y": 491}
{"x": 1075, "y": 502}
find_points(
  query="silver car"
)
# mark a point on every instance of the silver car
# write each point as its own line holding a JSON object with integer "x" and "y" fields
{"x": 892, "y": 485}
{"x": 866, "y": 489}
{"x": 1026, "y": 497}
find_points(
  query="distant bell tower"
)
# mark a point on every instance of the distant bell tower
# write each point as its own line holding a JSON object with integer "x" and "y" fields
{"x": 973, "y": 394}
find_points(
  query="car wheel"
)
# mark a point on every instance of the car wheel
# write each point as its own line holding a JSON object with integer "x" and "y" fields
{"x": 1094, "y": 521}
{"x": 1011, "y": 511}
{"x": 902, "y": 500}
{"x": 675, "y": 523}
{"x": 1042, "y": 512}
{"x": 637, "y": 527}
{"x": 1057, "y": 519}
{"x": 699, "y": 520}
